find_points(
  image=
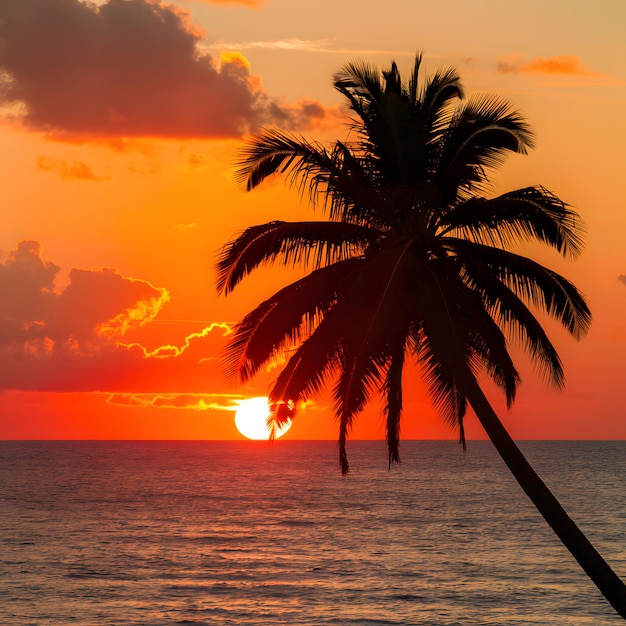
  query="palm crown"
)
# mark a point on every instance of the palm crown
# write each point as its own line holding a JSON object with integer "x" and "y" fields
{"x": 412, "y": 259}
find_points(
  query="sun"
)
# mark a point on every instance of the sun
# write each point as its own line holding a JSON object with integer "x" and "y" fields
{"x": 251, "y": 419}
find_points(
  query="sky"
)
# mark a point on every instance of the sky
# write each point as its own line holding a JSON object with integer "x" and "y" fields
{"x": 121, "y": 122}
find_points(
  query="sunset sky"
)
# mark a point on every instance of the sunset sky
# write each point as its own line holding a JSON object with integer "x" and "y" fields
{"x": 120, "y": 124}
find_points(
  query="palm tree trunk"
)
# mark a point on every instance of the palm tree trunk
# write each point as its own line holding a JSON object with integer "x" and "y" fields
{"x": 611, "y": 587}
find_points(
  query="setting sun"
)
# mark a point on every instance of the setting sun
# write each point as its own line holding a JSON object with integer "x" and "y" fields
{"x": 251, "y": 419}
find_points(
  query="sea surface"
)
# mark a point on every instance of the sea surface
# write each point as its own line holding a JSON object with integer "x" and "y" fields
{"x": 241, "y": 533}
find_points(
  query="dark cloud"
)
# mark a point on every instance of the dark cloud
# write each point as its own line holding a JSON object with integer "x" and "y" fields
{"x": 127, "y": 68}
{"x": 83, "y": 338}
{"x": 27, "y": 287}
{"x": 622, "y": 279}
{"x": 34, "y": 317}
{"x": 48, "y": 336}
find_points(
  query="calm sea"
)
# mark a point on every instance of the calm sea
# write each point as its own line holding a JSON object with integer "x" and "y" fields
{"x": 212, "y": 533}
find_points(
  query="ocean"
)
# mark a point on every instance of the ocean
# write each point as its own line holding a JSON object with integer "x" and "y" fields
{"x": 270, "y": 533}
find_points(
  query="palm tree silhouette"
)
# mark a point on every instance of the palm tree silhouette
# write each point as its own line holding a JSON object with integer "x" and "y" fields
{"x": 413, "y": 261}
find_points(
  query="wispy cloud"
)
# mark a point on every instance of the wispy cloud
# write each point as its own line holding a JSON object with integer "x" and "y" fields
{"x": 622, "y": 279}
{"x": 68, "y": 170}
{"x": 293, "y": 44}
{"x": 188, "y": 226}
{"x": 191, "y": 401}
{"x": 255, "y": 4}
{"x": 168, "y": 351}
{"x": 564, "y": 65}
{"x": 305, "y": 45}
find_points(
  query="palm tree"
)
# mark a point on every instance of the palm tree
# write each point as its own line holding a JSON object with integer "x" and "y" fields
{"x": 412, "y": 261}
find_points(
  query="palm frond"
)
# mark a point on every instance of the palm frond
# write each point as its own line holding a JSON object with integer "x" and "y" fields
{"x": 360, "y": 83}
{"x": 310, "y": 367}
{"x": 438, "y": 96}
{"x": 461, "y": 333}
{"x": 281, "y": 413}
{"x": 350, "y": 191}
{"x": 337, "y": 176}
{"x": 514, "y": 316}
{"x": 413, "y": 90}
{"x": 444, "y": 393}
{"x": 274, "y": 151}
{"x": 392, "y": 390}
{"x": 360, "y": 376}
{"x": 285, "y": 319}
{"x": 532, "y": 282}
{"x": 305, "y": 243}
{"x": 393, "y": 80}
{"x": 518, "y": 216}
{"x": 487, "y": 347}
{"x": 479, "y": 137}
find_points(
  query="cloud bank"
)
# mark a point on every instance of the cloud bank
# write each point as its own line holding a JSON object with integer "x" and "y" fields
{"x": 127, "y": 68}
{"x": 80, "y": 338}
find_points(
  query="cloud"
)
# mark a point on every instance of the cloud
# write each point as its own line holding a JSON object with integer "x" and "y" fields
{"x": 622, "y": 279}
{"x": 290, "y": 43}
{"x": 192, "y": 401}
{"x": 294, "y": 44}
{"x": 72, "y": 340}
{"x": 566, "y": 65}
{"x": 167, "y": 351}
{"x": 94, "y": 307}
{"x": 68, "y": 170}
{"x": 248, "y": 3}
{"x": 79, "y": 71}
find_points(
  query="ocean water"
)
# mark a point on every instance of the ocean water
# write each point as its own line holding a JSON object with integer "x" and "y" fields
{"x": 241, "y": 533}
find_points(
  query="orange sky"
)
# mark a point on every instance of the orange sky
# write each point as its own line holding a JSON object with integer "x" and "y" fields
{"x": 120, "y": 122}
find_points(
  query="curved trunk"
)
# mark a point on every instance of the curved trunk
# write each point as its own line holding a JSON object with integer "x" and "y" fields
{"x": 611, "y": 587}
